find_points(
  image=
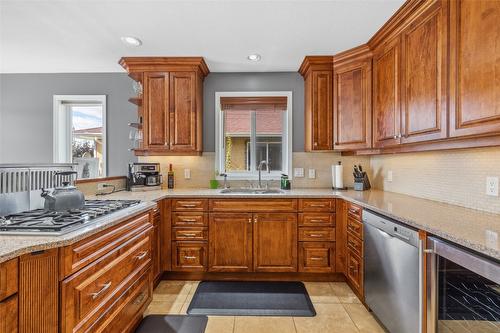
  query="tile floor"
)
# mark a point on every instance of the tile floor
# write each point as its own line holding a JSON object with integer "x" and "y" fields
{"x": 338, "y": 311}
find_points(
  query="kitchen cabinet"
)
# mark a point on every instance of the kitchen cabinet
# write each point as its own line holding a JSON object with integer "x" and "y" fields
{"x": 156, "y": 246}
{"x": 474, "y": 67}
{"x": 318, "y": 79}
{"x": 171, "y": 105}
{"x": 189, "y": 256}
{"x": 354, "y": 247}
{"x": 275, "y": 242}
{"x": 9, "y": 315}
{"x": 352, "y": 99}
{"x": 230, "y": 242}
{"x": 8, "y": 296}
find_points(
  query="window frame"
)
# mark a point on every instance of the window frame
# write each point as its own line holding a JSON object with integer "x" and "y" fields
{"x": 61, "y": 151}
{"x": 287, "y": 143}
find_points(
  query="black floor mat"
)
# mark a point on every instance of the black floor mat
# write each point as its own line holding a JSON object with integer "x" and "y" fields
{"x": 240, "y": 298}
{"x": 172, "y": 324}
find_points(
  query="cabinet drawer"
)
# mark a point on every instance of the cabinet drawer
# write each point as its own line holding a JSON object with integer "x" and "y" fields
{"x": 188, "y": 219}
{"x": 316, "y": 219}
{"x": 317, "y": 234}
{"x": 255, "y": 205}
{"x": 194, "y": 205}
{"x": 189, "y": 256}
{"x": 76, "y": 256}
{"x": 91, "y": 291}
{"x": 8, "y": 278}
{"x": 9, "y": 315}
{"x": 195, "y": 234}
{"x": 317, "y": 205}
{"x": 317, "y": 257}
{"x": 136, "y": 300}
{"x": 354, "y": 211}
{"x": 355, "y": 244}
{"x": 355, "y": 271}
{"x": 355, "y": 227}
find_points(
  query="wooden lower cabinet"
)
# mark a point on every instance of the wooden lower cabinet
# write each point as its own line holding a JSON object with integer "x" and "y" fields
{"x": 355, "y": 271}
{"x": 189, "y": 256}
{"x": 230, "y": 242}
{"x": 317, "y": 257}
{"x": 275, "y": 242}
{"x": 156, "y": 246}
{"x": 9, "y": 315}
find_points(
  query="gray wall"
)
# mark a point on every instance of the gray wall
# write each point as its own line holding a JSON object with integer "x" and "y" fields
{"x": 285, "y": 81}
{"x": 26, "y": 114}
{"x": 26, "y": 110}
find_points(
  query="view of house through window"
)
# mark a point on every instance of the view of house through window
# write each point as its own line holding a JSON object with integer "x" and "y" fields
{"x": 79, "y": 133}
{"x": 253, "y": 132}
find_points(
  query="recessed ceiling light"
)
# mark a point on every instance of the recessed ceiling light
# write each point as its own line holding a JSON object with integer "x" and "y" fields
{"x": 131, "y": 41}
{"x": 254, "y": 57}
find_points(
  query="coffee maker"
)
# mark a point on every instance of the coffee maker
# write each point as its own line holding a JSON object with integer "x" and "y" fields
{"x": 144, "y": 176}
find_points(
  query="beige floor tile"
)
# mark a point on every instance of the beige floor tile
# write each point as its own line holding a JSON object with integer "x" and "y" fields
{"x": 321, "y": 292}
{"x": 264, "y": 325}
{"x": 172, "y": 291}
{"x": 330, "y": 318}
{"x": 223, "y": 324}
{"x": 162, "y": 307}
{"x": 344, "y": 293}
{"x": 363, "y": 319}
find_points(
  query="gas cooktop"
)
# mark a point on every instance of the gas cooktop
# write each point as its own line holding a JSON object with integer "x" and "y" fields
{"x": 44, "y": 222}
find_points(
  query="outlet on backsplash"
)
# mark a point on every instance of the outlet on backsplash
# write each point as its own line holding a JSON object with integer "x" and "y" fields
{"x": 492, "y": 186}
{"x": 389, "y": 176}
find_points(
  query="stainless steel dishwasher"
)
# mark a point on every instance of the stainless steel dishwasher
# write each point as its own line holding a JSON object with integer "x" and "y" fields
{"x": 392, "y": 273}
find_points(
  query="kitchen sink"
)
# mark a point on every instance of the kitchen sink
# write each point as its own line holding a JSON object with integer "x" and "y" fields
{"x": 251, "y": 191}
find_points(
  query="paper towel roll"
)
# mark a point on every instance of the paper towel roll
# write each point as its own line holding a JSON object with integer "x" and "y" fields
{"x": 333, "y": 176}
{"x": 339, "y": 176}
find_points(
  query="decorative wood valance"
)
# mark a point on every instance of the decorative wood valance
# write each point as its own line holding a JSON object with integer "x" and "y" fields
{"x": 271, "y": 103}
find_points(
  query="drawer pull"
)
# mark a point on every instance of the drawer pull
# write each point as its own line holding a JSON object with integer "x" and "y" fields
{"x": 353, "y": 210}
{"x": 139, "y": 299}
{"x": 317, "y": 205}
{"x": 188, "y": 235}
{"x": 315, "y": 235}
{"x": 105, "y": 287}
{"x": 142, "y": 255}
{"x": 188, "y": 220}
{"x": 317, "y": 221}
{"x": 189, "y": 257}
{"x": 316, "y": 258}
{"x": 188, "y": 205}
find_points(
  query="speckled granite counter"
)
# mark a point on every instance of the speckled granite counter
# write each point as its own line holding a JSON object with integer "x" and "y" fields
{"x": 467, "y": 227}
{"x": 13, "y": 246}
{"x": 471, "y": 228}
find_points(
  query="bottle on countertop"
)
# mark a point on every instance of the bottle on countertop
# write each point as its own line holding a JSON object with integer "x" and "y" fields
{"x": 170, "y": 177}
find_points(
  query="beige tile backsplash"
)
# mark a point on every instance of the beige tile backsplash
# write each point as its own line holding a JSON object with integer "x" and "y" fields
{"x": 456, "y": 177}
{"x": 203, "y": 168}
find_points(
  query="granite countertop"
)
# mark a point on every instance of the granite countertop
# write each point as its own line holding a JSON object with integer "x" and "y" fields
{"x": 474, "y": 229}
{"x": 14, "y": 246}
{"x": 470, "y": 228}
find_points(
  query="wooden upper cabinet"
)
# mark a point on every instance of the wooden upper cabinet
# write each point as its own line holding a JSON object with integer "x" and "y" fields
{"x": 156, "y": 105}
{"x": 352, "y": 106}
{"x": 423, "y": 87}
{"x": 171, "y": 104}
{"x": 474, "y": 67}
{"x": 386, "y": 96}
{"x": 275, "y": 242}
{"x": 230, "y": 242}
{"x": 318, "y": 75}
{"x": 183, "y": 113}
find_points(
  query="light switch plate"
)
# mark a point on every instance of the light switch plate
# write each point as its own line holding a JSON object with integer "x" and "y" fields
{"x": 492, "y": 186}
{"x": 298, "y": 172}
{"x": 312, "y": 173}
{"x": 389, "y": 176}
{"x": 187, "y": 173}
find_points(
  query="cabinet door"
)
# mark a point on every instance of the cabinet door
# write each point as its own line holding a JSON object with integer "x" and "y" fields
{"x": 321, "y": 115}
{"x": 230, "y": 242}
{"x": 352, "y": 108}
{"x": 155, "y": 101}
{"x": 275, "y": 242}
{"x": 355, "y": 271}
{"x": 183, "y": 113}
{"x": 9, "y": 314}
{"x": 423, "y": 90}
{"x": 474, "y": 67}
{"x": 155, "y": 245}
{"x": 386, "y": 99}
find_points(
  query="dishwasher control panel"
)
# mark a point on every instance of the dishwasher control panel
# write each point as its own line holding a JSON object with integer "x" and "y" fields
{"x": 391, "y": 228}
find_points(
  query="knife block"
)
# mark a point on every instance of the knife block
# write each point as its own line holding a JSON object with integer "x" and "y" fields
{"x": 362, "y": 183}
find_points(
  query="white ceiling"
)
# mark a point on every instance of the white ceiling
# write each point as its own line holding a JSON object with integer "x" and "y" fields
{"x": 84, "y": 35}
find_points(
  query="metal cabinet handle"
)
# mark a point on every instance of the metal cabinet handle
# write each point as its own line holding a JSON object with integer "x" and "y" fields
{"x": 188, "y": 205}
{"x": 188, "y": 220}
{"x": 105, "y": 287}
{"x": 353, "y": 210}
{"x": 189, "y": 257}
{"x": 317, "y": 205}
{"x": 142, "y": 255}
{"x": 315, "y": 235}
{"x": 316, "y": 258}
{"x": 317, "y": 221}
{"x": 250, "y": 220}
{"x": 255, "y": 220}
{"x": 188, "y": 235}
{"x": 315, "y": 144}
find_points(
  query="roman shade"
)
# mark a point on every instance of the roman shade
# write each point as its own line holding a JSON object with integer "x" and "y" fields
{"x": 267, "y": 103}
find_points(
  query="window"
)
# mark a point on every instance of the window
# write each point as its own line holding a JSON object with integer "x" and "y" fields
{"x": 250, "y": 128}
{"x": 80, "y": 133}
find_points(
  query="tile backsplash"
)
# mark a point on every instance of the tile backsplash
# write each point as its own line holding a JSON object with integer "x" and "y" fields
{"x": 203, "y": 169}
{"x": 457, "y": 177}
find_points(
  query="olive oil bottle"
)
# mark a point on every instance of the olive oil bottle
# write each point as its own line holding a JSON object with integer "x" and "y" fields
{"x": 170, "y": 177}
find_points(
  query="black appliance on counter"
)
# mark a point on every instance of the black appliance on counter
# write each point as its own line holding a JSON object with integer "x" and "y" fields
{"x": 144, "y": 176}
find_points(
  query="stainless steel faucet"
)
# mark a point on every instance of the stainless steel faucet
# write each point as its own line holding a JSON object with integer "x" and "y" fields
{"x": 259, "y": 168}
